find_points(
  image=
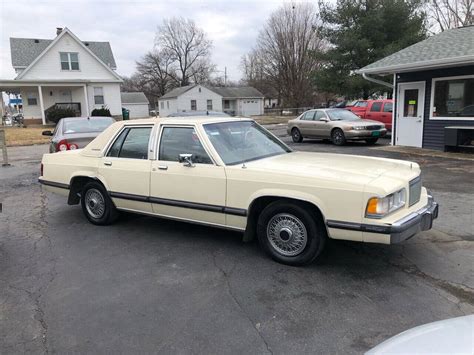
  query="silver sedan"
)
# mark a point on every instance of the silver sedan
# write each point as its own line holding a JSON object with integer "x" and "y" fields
{"x": 338, "y": 125}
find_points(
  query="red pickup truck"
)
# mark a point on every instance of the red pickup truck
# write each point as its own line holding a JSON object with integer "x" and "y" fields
{"x": 377, "y": 110}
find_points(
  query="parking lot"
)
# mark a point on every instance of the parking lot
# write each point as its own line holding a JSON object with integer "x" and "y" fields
{"x": 151, "y": 285}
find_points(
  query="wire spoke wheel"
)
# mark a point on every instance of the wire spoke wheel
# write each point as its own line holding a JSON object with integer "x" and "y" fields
{"x": 94, "y": 203}
{"x": 287, "y": 234}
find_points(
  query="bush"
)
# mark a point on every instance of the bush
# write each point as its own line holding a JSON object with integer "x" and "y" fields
{"x": 103, "y": 111}
{"x": 55, "y": 114}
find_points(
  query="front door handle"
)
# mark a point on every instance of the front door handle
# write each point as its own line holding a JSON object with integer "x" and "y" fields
{"x": 108, "y": 163}
{"x": 163, "y": 167}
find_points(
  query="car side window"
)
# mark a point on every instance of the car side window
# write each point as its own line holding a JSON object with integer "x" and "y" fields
{"x": 308, "y": 116}
{"x": 182, "y": 140}
{"x": 388, "y": 107}
{"x": 318, "y": 115}
{"x": 376, "y": 106}
{"x": 132, "y": 143}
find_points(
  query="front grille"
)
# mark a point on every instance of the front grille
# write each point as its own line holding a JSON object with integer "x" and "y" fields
{"x": 373, "y": 128}
{"x": 415, "y": 191}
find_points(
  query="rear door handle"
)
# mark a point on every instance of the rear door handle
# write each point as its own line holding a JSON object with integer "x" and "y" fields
{"x": 163, "y": 167}
{"x": 108, "y": 163}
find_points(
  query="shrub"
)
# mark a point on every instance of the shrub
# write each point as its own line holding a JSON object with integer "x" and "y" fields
{"x": 103, "y": 111}
{"x": 55, "y": 114}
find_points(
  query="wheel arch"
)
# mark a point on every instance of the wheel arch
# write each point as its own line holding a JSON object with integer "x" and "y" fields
{"x": 76, "y": 184}
{"x": 257, "y": 205}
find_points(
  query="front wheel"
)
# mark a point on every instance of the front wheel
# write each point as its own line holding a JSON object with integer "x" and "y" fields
{"x": 296, "y": 135}
{"x": 371, "y": 141}
{"x": 290, "y": 234}
{"x": 338, "y": 137}
{"x": 97, "y": 205}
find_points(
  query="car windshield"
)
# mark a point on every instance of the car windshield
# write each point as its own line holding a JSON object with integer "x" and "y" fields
{"x": 361, "y": 104}
{"x": 239, "y": 142}
{"x": 89, "y": 125}
{"x": 342, "y": 115}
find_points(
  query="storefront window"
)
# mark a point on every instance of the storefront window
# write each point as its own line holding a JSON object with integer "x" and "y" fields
{"x": 454, "y": 98}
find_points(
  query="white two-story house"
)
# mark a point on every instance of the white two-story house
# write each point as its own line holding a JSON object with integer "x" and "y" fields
{"x": 63, "y": 72}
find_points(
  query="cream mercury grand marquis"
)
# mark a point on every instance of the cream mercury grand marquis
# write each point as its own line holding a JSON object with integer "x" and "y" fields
{"x": 232, "y": 173}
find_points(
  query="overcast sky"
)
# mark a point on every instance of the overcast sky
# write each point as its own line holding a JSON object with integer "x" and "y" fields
{"x": 130, "y": 25}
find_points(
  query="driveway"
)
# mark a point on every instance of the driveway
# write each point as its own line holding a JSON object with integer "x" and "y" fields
{"x": 151, "y": 285}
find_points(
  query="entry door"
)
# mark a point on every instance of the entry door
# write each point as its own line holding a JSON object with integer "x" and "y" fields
{"x": 192, "y": 191}
{"x": 410, "y": 111}
{"x": 66, "y": 96}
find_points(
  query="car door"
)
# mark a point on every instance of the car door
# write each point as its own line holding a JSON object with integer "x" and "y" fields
{"x": 126, "y": 168}
{"x": 374, "y": 111}
{"x": 193, "y": 190}
{"x": 320, "y": 125}
{"x": 306, "y": 124}
{"x": 387, "y": 114}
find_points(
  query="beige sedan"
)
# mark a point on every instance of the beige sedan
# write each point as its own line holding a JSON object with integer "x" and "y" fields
{"x": 338, "y": 125}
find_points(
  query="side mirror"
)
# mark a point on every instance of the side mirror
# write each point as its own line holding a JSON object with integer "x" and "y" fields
{"x": 47, "y": 133}
{"x": 187, "y": 160}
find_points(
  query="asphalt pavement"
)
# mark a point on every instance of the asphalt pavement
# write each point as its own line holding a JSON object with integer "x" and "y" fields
{"x": 151, "y": 285}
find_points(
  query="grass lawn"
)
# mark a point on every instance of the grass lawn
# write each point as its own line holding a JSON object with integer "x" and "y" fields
{"x": 272, "y": 119}
{"x": 25, "y": 136}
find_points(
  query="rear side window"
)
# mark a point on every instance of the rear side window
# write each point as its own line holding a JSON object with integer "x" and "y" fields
{"x": 388, "y": 107}
{"x": 308, "y": 116}
{"x": 376, "y": 106}
{"x": 132, "y": 143}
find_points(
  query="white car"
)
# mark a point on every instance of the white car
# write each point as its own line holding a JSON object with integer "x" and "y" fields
{"x": 232, "y": 173}
{"x": 450, "y": 336}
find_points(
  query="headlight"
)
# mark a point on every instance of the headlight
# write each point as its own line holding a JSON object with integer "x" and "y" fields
{"x": 359, "y": 128}
{"x": 378, "y": 207}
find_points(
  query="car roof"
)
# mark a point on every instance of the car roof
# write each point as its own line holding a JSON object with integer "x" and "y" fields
{"x": 83, "y": 118}
{"x": 189, "y": 120}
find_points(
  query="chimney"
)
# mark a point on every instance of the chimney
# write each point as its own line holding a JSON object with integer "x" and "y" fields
{"x": 58, "y": 30}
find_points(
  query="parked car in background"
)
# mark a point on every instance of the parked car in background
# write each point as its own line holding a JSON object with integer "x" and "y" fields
{"x": 338, "y": 125}
{"x": 232, "y": 173}
{"x": 358, "y": 106}
{"x": 378, "y": 110}
{"x": 76, "y": 132}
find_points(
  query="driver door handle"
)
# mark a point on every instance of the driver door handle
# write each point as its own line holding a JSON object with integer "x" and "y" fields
{"x": 108, "y": 163}
{"x": 163, "y": 167}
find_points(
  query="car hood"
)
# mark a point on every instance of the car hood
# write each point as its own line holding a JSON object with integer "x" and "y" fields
{"x": 352, "y": 169}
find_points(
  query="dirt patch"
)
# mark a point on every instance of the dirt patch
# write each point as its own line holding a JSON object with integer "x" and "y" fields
{"x": 17, "y": 136}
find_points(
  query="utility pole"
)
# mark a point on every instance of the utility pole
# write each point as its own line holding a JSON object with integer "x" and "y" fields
{"x": 225, "y": 76}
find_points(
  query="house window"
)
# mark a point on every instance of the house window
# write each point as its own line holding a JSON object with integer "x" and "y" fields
{"x": 162, "y": 105}
{"x": 226, "y": 104}
{"x": 209, "y": 105}
{"x": 32, "y": 100}
{"x": 69, "y": 61}
{"x": 193, "y": 105}
{"x": 453, "y": 98}
{"x": 98, "y": 96}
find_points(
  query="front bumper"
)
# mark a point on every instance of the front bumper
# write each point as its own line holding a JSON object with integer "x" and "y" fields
{"x": 415, "y": 222}
{"x": 365, "y": 134}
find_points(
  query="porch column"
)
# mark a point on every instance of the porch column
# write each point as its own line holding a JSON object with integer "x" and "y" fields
{"x": 86, "y": 98}
{"x": 40, "y": 93}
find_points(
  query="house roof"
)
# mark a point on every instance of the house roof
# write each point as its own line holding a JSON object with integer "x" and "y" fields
{"x": 134, "y": 98}
{"x": 25, "y": 50}
{"x": 237, "y": 92}
{"x": 177, "y": 92}
{"x": 448, "y": 48}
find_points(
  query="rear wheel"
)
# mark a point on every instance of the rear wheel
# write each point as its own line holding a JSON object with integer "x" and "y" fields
{"x": 296, "y": 135}
{"x": 97, "y": 205}
{"x": 371, "y": 141}
{"x": 338, "y": 137}
{"x": 290, "y": 234}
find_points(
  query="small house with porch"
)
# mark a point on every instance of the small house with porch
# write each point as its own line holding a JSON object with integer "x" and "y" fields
{"x": 433, "y": 90}
{"x": 63, "y": 72}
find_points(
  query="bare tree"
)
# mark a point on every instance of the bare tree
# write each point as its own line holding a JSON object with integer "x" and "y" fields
{"x": 283, "y": 53}
{"x": 187, "y": 46}
{"x": 447, "y": 14}
{"x": 154, "y": 70}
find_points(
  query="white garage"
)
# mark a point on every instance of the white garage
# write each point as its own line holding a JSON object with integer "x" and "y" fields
{"x": 251, "y": 107}
{"x": 136, "y": 103}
